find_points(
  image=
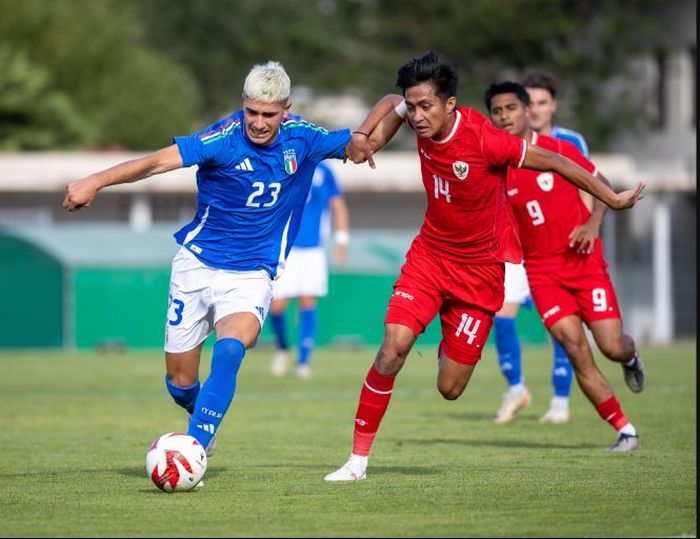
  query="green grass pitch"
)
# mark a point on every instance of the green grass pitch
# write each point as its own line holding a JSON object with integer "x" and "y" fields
{"x": 76, "y": 427}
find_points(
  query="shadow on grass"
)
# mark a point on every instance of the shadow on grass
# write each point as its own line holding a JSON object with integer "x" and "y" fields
{"x": 141, "y": 471}
{"x": 408, "y": 470}
{"x": 525, "y": 444}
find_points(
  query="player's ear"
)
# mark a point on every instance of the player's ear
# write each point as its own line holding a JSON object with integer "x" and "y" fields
{"x": 287, "y": 105}
{"x": 554, "y": 105}
{"x": 450, "y": 104}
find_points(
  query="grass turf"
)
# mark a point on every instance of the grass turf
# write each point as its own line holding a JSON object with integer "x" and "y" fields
{"x": 76, "y": 427}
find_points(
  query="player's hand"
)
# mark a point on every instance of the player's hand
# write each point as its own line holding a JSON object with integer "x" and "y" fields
{"x": 582, "y": 238}
{"x": 79, "y": 194}
{"x": 627, "y": 199}
{"x": 341, "y": 253}
{"x": 359, "y": 150}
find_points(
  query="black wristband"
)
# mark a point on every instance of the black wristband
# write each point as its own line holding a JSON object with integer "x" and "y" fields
{"x": 361, "y": 133}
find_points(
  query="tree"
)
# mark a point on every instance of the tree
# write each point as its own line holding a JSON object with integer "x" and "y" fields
{"x": 33, "y": 114}
{"x": 93, "y": 65}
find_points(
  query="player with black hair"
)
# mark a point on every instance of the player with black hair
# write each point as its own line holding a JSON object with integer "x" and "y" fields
{"x": 455, "y": 265}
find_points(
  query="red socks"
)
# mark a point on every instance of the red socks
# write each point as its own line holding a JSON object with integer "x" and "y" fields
{"x": 374, "y": 400}
{"x": 611, "y": 411}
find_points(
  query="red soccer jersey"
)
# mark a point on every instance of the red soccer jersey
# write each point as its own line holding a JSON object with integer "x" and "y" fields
{"x": 547, "y": 207}
{"x": 468, "y": 218}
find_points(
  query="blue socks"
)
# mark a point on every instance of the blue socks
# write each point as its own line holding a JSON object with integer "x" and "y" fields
{"x": 280, "y": 330}
{"x": 217, "y": 392}
{"x": 308, "y": 321}
{"x": 562, "y": 371}
{"x": 183, "y": 396}
{"x": 508, "y": 348}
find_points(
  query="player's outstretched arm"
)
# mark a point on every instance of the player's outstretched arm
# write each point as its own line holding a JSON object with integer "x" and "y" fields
{"x": 540, "y": 159}
{"x": 582, "y": 238}
{"x": 80, "y": 193}
{"x": 377, "y": 129}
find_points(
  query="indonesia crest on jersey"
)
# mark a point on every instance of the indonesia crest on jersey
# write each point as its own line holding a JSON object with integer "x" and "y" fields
{"x": 468, "y": 218}
{"x": 546, "y": 206}
{"x": 290, "y": 161}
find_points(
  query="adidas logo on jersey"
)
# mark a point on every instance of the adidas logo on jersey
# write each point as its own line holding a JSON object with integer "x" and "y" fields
{"x": 244, "y": 165}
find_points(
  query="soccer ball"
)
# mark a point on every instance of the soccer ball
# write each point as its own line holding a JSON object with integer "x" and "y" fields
{"x": 176, "y": 462}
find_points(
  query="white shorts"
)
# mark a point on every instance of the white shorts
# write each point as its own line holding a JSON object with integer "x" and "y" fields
{"x": 517, "y": 288}
{"x": 305, "y": 274}
{"x": 200, "y": 296}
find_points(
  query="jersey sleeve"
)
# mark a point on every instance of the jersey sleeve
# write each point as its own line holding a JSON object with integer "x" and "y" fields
{"x": 500, "y": 148}
{"x": 571, "y": 151}
{"x": 328, "y": 144}
{"x": 204, "y": 146}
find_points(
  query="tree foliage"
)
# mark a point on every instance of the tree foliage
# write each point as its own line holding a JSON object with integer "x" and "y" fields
{"x": 98, "y": 84}
{"x": 135, "y": 72}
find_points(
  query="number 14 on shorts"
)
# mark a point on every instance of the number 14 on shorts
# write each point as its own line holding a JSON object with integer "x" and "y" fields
{"x": 469, "y": 326}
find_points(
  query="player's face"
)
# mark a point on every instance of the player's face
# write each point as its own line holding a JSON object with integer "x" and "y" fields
{"x": 542, "y": 107}
{"x": 509, "y": 113}
{"x": 262, "y": 120}
{"x": 429, "y": 115}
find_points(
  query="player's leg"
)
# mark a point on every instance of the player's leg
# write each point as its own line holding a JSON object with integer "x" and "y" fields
{"x": 313, "y": 284}
{"x": 188, "y": 324}
{"x": 416, "y": 299}
{"x": 308, "y": 323}
{"x": 182, "y": 376}
{"x": 600, "y": 310}
{"x": 453, "y": 376}
{"x": 569, "y": 331}
{"x": 279, "y": 329}
{"x": 234, "y": 334}
{"x": 465, "y": 329}
{"x": 242, "y": 299}
{"x": 374, "y": 399}
{"x": 508, "y": 344}
{"x": 619, "y": 347}
{"x": 562, "y": 376}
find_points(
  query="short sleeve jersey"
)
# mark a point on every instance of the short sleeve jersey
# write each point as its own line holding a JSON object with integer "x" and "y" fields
{"x": 250, "y": 197}
{"x": 468, "y": 218}
{"x": 315, "y": 224}
{"x": 574, "y": 137}
{"x": 546, "y": 206}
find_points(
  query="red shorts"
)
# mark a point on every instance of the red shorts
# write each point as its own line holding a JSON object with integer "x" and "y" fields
{"x": 466, "y": 295}
{"x": 572, "y": 284}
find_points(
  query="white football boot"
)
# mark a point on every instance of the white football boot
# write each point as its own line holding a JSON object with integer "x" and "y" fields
{"x": 355, "y": 469}
{"x": 303, "y": 371}
{"x": 513, "y": 402}
{"x": 558, "y": 411}
{"x": 279, "y": 363}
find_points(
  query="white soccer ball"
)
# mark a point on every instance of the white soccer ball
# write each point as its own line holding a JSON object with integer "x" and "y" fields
{"x": 176, "y": 462}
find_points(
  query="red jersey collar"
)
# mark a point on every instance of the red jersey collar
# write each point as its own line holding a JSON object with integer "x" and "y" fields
{"x": 458, "y": 117}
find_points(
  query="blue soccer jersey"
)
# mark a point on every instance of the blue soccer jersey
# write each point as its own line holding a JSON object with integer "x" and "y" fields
{"x": 251, "y": 198}
{"x": 574, "y": 137}
{"x": 314, "y": 223}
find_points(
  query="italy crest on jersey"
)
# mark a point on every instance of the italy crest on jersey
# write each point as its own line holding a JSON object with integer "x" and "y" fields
{"x": 461, "y": 169}
{"x": 290, "y": 161}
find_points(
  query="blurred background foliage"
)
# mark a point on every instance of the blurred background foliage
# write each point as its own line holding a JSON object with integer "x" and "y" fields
{"x": 132, "y": 73}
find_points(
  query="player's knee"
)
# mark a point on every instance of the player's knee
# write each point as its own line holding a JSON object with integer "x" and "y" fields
{"x": 182, "y": 378}
{"x": 390, "y": 359}
{"x": 614, "y": 350}
{"x": 450, "y": 390}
